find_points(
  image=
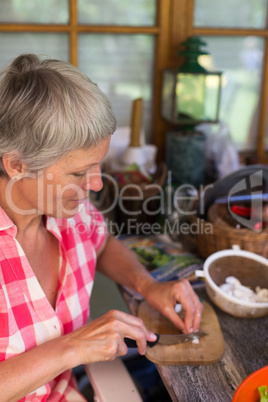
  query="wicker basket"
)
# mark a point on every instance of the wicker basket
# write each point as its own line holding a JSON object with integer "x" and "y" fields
{"x": 212, "y": 237}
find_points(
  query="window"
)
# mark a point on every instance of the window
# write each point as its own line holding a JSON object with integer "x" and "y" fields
{"x": 124, "y": 45}
{"x": 236, "y": 33}
{"x": 112, "y": 41}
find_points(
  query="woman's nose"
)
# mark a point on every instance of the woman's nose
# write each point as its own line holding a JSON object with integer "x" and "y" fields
{"x": 94, "y": 182}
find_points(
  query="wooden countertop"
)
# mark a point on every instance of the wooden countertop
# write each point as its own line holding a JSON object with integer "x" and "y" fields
{"x": 246, "y": 350}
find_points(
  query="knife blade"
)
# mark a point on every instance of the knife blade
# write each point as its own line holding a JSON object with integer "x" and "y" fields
{"x": 168, "y": 339}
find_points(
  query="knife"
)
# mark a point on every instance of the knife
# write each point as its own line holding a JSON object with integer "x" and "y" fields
{"x": 168, "y": 339}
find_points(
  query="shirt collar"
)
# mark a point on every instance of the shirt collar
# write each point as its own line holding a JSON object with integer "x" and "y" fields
{"x": 53, "y": 226}
{"x": 6, "y": 223}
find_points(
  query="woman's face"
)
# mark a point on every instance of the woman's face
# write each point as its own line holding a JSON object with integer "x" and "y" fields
{"x": 62, "y": 187}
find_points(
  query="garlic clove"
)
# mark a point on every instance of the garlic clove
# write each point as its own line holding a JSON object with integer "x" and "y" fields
{"x": 232, "y": 281}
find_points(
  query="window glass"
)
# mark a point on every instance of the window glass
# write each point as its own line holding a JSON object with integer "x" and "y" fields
{"x": 117, "y": 12}
{"x": 34, "y": 11}
{"x": 240, "y": 59}
{"x": 13, "y": 44}
{"x": 230, "y": 13}
{"x": 122, "y": 66}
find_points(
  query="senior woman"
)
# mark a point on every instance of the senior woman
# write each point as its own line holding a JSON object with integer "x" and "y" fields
{"x": 55, "y": 129}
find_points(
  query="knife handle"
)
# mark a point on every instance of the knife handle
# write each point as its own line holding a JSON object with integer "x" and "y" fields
{"x": 132, "y": 344}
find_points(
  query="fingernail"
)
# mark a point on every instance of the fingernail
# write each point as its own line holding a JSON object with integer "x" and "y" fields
{"x": 152, "y": 336}
{"x": 191, "y": 330}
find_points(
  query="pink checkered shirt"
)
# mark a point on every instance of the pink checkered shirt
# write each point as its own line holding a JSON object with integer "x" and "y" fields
{"x": 27, "y": 318}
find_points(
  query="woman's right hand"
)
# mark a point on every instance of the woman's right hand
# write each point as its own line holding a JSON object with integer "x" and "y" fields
{"x": 100, "y": 340}
{"x": 103, "y": 338}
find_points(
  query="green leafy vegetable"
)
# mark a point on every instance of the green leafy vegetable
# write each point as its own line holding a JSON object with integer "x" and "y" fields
{"x": 263, "y": 393}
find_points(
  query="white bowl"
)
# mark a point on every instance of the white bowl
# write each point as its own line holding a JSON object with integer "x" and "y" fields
{"x": 251, "y": 270}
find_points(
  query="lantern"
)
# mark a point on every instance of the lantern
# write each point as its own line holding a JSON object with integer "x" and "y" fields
{"x": 190, "y": 93}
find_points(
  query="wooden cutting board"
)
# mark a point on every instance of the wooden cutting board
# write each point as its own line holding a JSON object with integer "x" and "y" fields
{"x": 209, "y": 350}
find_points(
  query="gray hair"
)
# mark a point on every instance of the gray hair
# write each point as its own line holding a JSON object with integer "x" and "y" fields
{"x": 47, "y": 109}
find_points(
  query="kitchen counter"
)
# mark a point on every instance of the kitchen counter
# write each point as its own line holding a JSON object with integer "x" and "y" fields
{"x": 246, "y": 350}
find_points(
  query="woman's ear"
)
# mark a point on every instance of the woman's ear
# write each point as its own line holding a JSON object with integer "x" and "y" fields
{"x": 13, "y": 166}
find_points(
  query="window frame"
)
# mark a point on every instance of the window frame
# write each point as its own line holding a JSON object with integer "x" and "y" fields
{"x": 162, "y": 31}
{"x": 174, "y": 23}
{"x": 260, "y": 151}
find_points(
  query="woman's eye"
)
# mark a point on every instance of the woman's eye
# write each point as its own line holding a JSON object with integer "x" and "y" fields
{"x": 79, "y": 174}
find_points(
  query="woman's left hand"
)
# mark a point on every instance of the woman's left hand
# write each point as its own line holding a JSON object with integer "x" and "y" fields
{"x": 164, "y": 296}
